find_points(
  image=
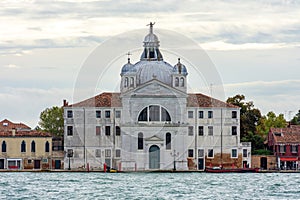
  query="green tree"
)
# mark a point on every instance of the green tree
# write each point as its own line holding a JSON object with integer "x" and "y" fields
{"x": 249, "y": 116}
{"x": 270, "y": 121}
{"x": 296, "y": 119}
{"x": 52, "y": 121}
{"x": 257, "y": 142}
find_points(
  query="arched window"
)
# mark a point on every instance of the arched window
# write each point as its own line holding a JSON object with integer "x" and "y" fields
{"x": 181, "y": 82}
{"x": 154, "y": 113}
{"x": 144, "y": 115}
{"x": 165, "y": 116}
{"x": 131, "y": 81}
{"x": 168, "y": 140}
{"x": 176, "y": 82}
{"x": 140, "y": 141}
{"x": 33, "y": 146}
{"x": 3, "y": 146}
{"x": 23, "y": 146}
{"x": 47, "y": 147}
{"x": 126, "y": 82}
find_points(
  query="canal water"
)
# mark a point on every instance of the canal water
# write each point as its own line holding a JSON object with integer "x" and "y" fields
{"x": 149, "y": 186}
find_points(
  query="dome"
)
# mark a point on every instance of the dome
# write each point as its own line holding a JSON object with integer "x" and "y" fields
{"x": 148, "y": 70}
{"x": 128, "y": 67}
{"x": 179, "y": 68}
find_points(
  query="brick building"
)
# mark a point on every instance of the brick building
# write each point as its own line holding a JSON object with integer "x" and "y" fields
{"x": 285, "y": 144}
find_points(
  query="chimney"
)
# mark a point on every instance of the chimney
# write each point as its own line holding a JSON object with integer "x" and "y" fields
{"x": 65, "y": 103}
{"x": 13, "y": 132}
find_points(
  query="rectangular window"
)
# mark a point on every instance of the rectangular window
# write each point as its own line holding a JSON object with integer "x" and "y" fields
{"x": 107, "y": 153}
{"x": 210, "y": 130}
{"x": 118, "y": 131}
{"x": 245, "y": 153}
{"x": 282, "y": 148}
{"x": 294, "y": 149}
{"x": 70, "y": 114}
{"x": 107, "y": 130}
{"x": 107, "y": 114}
{"x": 98, "y": 113}
{"x": 210, "y": 114}
{"x": 210, "y": 153}
{"x": 190, "y": 114}
{"x": 98, "y": 130}
{"x": 234, "y": 153}
{"x": 200, "y": 130}
{"x": 191, "y": 131}
{"x": 118, "y": 153}
{"x": 234, "y": 114}
{"x": 190, "y": 153}
{"x": 118, "y": 114}
{"x": 69, "y": 130}
{"x": 98, "y": 153}
{"x": 200, "y": 153}
{"x": 233, "y": 130}
{"x": 201, "y": 114}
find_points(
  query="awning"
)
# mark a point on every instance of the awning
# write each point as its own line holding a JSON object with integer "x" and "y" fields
{"x": 289, "y": 159}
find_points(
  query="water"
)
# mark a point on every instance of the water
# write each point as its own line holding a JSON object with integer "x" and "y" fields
{"x": 149, "y": 186}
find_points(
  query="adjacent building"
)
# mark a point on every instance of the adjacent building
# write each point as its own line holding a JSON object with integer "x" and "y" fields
{"x": 285, "y": 144}
{"x": 153, "y": 123}
{"x": 25, "y": 149}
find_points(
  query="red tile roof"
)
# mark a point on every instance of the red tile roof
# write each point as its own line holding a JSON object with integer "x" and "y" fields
{"x": 6, "y": 125}
{"x": 105, "y": 99}
{"x": 29, "y": 133}
{"x": 286, "y": 135}
{"x": 201, "y": 100}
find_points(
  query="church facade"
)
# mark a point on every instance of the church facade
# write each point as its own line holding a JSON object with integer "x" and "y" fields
{"x": 153, "y": 123}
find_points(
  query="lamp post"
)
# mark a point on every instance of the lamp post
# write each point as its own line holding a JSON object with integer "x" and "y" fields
{"x": 69, "y": 155}
{"x": 174, "y": 154}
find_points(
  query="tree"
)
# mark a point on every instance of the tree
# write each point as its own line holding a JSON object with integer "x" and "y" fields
{"x": 52, "y": 121}
{"x": 296, "y": 119}
{"x": 270, "y": 121}
{"x": 257, "y": 142}
{"x": 249, "y": 116}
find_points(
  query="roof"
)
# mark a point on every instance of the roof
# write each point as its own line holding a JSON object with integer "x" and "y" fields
{"x": 106, "y": 99}
{"x": 29, "y": 133}
{"x": 201, "y": 100}
{"x": 8, "y": 125}
{"x": 286, "y": 135}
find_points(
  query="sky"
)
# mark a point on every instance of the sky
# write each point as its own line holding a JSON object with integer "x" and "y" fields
{"x": 254, "y": 45}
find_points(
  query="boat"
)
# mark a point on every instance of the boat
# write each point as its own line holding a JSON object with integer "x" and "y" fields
{"x": 113, "y": 170}
{"x": 230, "y": 170}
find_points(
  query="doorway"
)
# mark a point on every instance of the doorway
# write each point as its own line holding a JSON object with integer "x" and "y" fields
{"x": 37, "y": 164}
{"x": 57, "y": 164}
{"x": 1, "y": 163}
{"x": 154, "y": 157}
{"x": 200, "y": 163}
{"x": 263, "y": 163}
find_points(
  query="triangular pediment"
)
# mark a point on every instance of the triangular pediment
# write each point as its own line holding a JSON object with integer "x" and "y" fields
{"x": 154, "y": 138}
{"x": 155, "y": 88}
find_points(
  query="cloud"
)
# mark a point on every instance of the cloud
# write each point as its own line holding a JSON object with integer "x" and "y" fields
{"x": 25, "y": 104}
{"x": 278, "y": 96}
{"x": 12, "y": 66}
{"x": 273, "y": 23}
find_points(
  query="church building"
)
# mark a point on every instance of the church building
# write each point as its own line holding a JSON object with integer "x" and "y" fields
{"x": 153, "y": 123}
